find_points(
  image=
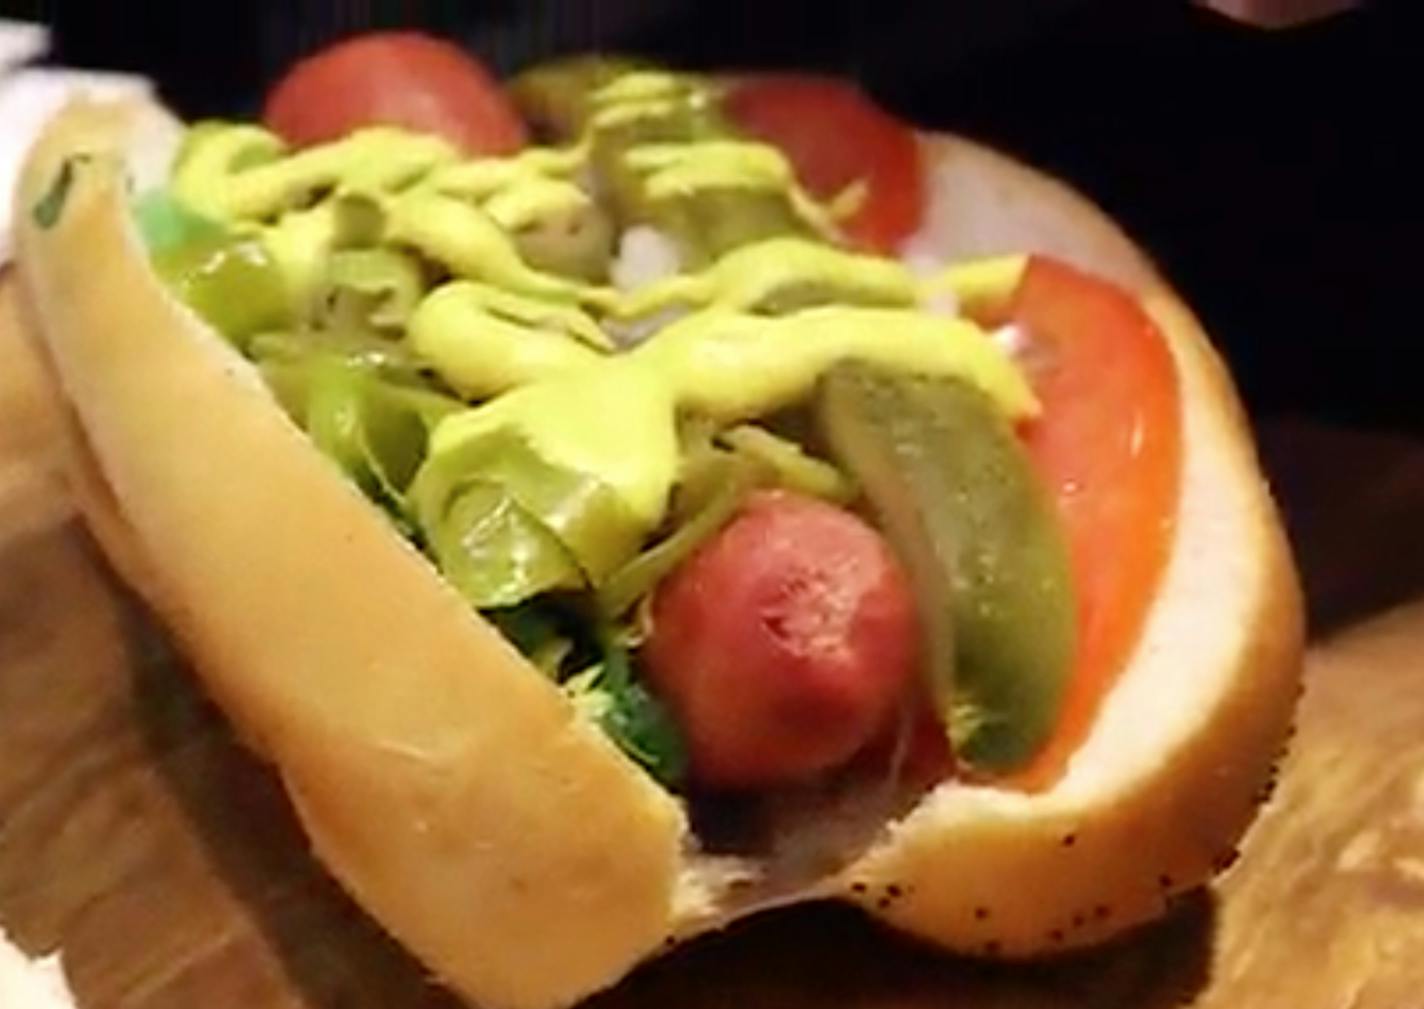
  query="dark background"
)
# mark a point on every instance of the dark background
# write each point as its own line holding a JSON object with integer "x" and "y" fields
{"x": 1266, "y": 171}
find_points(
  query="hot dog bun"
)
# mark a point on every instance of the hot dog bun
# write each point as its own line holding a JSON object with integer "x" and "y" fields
{"x": 453, "y": 790}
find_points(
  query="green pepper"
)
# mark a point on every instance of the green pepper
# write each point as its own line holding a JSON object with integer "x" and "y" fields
{"x": 370, "y": 290}
{"x": 376, "y": 430}
{"x": 494, "y": 551}
{"x": 576, "y": 243}
{"x": 386, "y": 358}
{"x": 228, "y": 278}
{"x": 507, "y": 525}
{"x": 725, "y": 480}
{"x": 789, "y": 463}
{"x": 230, "y": 281}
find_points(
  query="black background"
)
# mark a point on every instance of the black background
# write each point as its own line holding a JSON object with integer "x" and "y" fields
{"x": 1266, "y": 171}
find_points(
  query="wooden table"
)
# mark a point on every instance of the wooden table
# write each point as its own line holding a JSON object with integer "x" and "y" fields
{"x": 134, "y": 833}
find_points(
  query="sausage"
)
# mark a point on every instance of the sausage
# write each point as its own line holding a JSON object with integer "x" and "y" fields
{"x": 784, "y": 644}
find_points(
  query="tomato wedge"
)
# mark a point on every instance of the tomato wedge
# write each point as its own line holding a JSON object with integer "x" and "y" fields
{"x": 1108, "y": 444}
{"x": 399, "y": 79}
{"x": 835, "y": 136}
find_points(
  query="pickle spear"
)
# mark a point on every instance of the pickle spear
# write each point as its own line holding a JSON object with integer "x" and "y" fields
{"x": 956, "y": 495}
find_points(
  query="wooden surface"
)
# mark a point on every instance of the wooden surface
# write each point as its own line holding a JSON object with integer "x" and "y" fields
{"x": 134, "y": 833}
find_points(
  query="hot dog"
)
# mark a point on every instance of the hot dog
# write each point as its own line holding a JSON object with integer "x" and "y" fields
{"x": 518, "y": 819}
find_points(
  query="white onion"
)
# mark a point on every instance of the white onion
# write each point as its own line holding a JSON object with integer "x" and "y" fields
{"x": 920, "y": 256}
{"x": 645, "y": 256}
{"x": 631, "y": 332}
{"x": 1010, "y": 339}
{"x": 942, "y": 303}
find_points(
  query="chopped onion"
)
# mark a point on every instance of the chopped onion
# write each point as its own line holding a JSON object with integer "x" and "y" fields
{"x": 1010, "y": 339}
{"x": 920, "y": 256}
{"x": 645, "y": 255}
{"x": 631, "y": 332}
{"x": 942, "y": 303}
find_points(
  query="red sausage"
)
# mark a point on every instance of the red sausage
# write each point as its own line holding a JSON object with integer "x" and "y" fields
{"x": 784, "y": 644}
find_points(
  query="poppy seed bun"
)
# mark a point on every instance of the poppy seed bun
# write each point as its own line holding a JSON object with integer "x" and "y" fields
{"x": 455, "y": 792}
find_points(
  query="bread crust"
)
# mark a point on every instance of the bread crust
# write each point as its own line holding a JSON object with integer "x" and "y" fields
{"x": 522, "y": 857}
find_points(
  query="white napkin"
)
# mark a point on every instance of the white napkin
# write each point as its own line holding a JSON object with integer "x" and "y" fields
{"x": 31, "y": 984}
{"x": 29, "y": 96}
{"x": 20, "y": 43}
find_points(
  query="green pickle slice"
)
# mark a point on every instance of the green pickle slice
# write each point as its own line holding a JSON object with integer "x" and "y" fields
{"x": 956, "y": 494}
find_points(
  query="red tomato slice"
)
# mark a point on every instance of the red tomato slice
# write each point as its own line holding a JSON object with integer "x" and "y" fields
{"x": 835, "y": 136}
{"x": 1108, "y": 444}
{"x": 398, "y": 79}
